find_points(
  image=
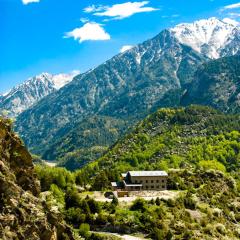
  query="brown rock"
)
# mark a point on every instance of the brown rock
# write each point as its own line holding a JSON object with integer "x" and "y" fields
{"x": 22, "y": 213}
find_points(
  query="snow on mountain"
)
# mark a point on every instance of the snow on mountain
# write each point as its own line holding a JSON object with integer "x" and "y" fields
{"x": 62, "y": 79}
{"x": 23, "y": 96}
{"x": 207, "y": 36}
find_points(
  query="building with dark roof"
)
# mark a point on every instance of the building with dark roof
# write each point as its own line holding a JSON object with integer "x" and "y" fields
{"x": 142, "y": 180}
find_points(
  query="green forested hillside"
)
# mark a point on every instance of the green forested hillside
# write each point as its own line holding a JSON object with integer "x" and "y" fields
{"x": 207, "y": 207}
{"x": 200, "y": 149}
{"x": 175, "y": 138}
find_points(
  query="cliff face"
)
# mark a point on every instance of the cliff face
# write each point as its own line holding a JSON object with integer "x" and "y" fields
{"x": 22, "y": 214}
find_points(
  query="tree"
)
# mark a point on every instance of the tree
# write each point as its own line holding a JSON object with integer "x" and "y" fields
{"x": 84, "y": 230}
{"x": 115, "y": 200}
{"x": 72, "y": 198}
{"x": 139, "y": 204}
{"x": 75, "y": 216}
{"x": 85, "y": 206}
{"x": 93, "y": 205}
{"x": 158, "y": 202}
{"x": 58, "y": 195}
{"x": 60, "y": 180}
{"x": 213, "y": 164}
{"x": 100, "y": 182}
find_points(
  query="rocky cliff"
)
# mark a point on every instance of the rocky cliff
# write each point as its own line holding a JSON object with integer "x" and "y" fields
{"x": 23, "y": 215}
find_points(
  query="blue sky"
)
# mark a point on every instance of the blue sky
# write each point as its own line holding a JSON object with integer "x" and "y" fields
{"x": 39, "y": 36}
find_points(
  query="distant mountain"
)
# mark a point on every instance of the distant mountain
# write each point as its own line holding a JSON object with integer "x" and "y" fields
{"x": 129, "y": 86}
{"x": 212, "y": 37}
{"x": 217, "y": 84}
{"x": 31, "y": 91}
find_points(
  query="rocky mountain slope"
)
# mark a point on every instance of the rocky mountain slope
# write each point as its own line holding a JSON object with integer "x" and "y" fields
{"x": 153, "y": 74}
{"x": 217, "y": 84}
{"x": 23, "y": 215}
{"x": 30, "y": 92}
{"x": 127, "y": 86}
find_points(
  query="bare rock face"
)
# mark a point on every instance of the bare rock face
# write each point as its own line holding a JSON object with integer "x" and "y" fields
{"x": 22, "y": 214}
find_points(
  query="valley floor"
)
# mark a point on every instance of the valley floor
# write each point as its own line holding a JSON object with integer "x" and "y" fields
{"x": 50, "y": 163}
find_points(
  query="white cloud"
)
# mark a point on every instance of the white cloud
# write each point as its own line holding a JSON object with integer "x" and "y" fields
{"x": 94, "y": 8}
{"x": 232, "y": 6}
{"x": 125, "y": 48}
{"x": 234, "y": 15}
{"x": 89, "y": 31}
{"x": 120, "y": 11}
{"x": 25, "y": 2}
{"x": 229, "y": 11}
{"x": 84, "y": 20}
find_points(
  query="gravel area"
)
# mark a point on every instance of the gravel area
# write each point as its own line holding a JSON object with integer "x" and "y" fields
{"x": 147, "y": 195}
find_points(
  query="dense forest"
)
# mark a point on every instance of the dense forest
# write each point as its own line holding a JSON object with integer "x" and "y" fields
{"x": 173, "y": 138}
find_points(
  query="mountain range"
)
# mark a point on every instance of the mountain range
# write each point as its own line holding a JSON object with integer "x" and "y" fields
{"x": 31, "y": 91}
{"x": 165, "y": 71}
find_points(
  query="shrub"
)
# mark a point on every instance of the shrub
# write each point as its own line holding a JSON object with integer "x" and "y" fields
{"x": 158, "y": 202}
{"x": 139, "y": 205}
{"x": 189, "y": 202}
{"x": 213, "y": 164}
{"x": 84, "y": 230}
{"x": 221, "y": 228}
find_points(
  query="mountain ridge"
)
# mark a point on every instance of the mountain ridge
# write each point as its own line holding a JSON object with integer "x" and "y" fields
{"x": 26, "y": 94}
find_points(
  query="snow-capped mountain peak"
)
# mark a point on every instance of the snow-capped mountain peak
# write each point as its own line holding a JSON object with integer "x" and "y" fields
{"x": 23, "y": 96}
{"x": 207, "y": 36}
{"x": 57, "y": 81}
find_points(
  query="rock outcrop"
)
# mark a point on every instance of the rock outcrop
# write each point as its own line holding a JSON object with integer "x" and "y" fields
{"x": 23, "y": 215}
